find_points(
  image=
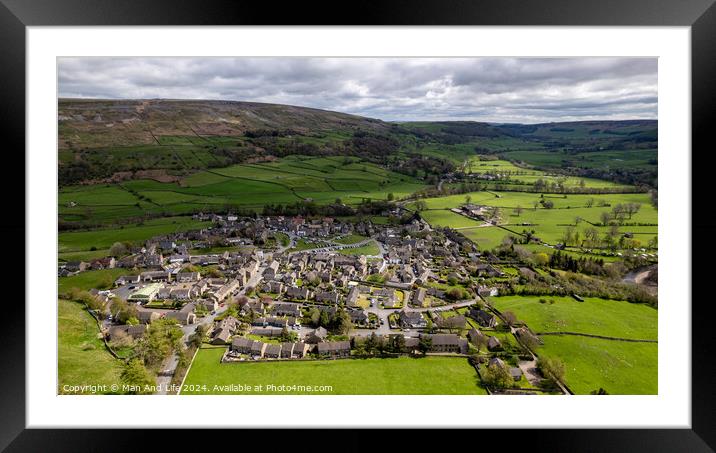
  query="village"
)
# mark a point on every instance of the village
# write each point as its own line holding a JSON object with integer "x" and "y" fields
{"x": 265, "y": 300}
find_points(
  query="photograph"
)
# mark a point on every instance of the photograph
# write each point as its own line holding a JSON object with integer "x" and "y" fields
{"x": 299, "y": 225}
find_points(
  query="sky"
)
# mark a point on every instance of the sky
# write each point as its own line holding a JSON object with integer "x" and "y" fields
{"x": 495, "y": 89}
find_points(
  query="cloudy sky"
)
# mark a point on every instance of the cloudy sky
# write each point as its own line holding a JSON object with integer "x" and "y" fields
{"x": 523, "y": 90}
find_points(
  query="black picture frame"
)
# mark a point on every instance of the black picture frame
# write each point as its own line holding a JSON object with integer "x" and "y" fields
{"x": 700, "y": 15}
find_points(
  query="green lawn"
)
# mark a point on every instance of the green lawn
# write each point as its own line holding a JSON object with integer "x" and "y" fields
{"x": 104, "y": 238}
{"x": 81, "y": 357}
{"x": 406, "y": 376}
{"x": 370, "y": 248}
{"x": 101, "y": 279}
{"x": 617, "y": 366}
{"x": 351, "y": 239}
{"x": 593, "y": 316}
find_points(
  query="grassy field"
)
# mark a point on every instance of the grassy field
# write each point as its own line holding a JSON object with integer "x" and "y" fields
{"x": 370, "y": 248}
{"x": 593, "y": 316}
{"x": 251, "y": 186}
{"x": 351, "y": 239}
{"x": 81, "y": 357}
{"x": 549, "y": 225}
{"x": 104, "y": 238}
{"x": 100, "y": 279}
{"x": 617, "y": 366}
{"x": 401, "y": 376}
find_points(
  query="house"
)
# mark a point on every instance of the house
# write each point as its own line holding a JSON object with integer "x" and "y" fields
{"x": 493, "y": 344}
{"x": 186, "y": 277}
{"x": 257, "y": 349}
{"x": 297, "y": 293}
{"x": 484, "y": 291}
{"x": 267, "y": 331}
{"x": 412, "y": 320}
{"x": 286, "y": 309}
{"x": 317, "y": 336}
{"x": 135, "y": 332}
{"x": 300, "y": 350}
{"x": 330, "y": 297}
{"x": 418, "y": 297}
{"x": 242, "y": 345}
{"x": 272, "y": 351}
{"x": 516, "y": 373}
{"x": 271, "y": 270}
{"x": 447, "y": 343}
{"x": 127, "y": 279}
{"x": 453, "y": 322}
{"x": 224, "y": 291}
{"x": 145, "y": 294}
{"x": 273, "y": 287}
{"x": 525, "y": 335}
{"x": 223, "y": 330}
{"x": 495, "y": 361}
{"x": 387, "y": 296}
{"x": 286, "y": 350}
{"x": 352, "y": 297}
{"x": 185, "y": 316}
{"x": 77, "y": 266}
{"x": 476, "y": 337}
{"x": 147, "y": 316}
{"x": 207, "y": 305}
{"x": 482, "y": 317}
{"x": 359, "y": 317}
{"x": 152, "y": 276}
{"x": 334, "y": 349}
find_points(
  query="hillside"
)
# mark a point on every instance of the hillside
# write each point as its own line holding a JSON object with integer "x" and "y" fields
{"x": 111, "y": 141}
{"x": 90, "y": 123}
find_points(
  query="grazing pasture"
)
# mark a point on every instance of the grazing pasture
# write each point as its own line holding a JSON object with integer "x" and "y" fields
{"x": 81, "y": 356}
{"x": 393, "y": 376}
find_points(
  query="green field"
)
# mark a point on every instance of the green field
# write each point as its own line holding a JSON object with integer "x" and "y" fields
{"x": 617, "y": 366}
{"x": 593, "y": 316}
{"x": 370, "y": 248}
{"x": 250, "y": 186}
{"x": 100, "y": 279}
{"x": 81, "y": 356}
{"x": 104, "y": 238}
{"x": 401, "y": 376}
{"x": 351, "y": 239}
{"x": 549, "y": 225}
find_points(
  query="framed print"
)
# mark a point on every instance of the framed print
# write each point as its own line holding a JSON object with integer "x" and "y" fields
{"x": 404, "y": 218}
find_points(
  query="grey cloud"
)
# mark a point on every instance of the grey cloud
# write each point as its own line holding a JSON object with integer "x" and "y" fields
{"x": 393, "y": 89}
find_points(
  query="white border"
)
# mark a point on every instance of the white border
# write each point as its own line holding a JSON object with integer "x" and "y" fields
{"x": 671, "y": 408}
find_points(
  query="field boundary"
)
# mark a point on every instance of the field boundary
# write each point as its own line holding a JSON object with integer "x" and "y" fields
{"x": 603, "y": 337}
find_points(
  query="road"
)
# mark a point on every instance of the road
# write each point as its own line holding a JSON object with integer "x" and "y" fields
{"x": 383, "y": 313}
{"x": 170, "y": 364}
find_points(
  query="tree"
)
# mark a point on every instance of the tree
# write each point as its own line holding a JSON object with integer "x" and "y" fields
{"x": 397, "y": 343}
{"x": 604, "y": 217}
{"x": 121, "y": 339}
{"x": 551, "y": 368}
{"x": 497, "y": 376}
{"x": 425, "y": 344}
{"x": 197, "y": 338}
{"x": 468, "y": 199}
{"x": 518, "y": 210}
{"x": 138, "y": 377}
{"x": 391, "y": 196}
{"x": 601, "y": 391}
{"x": 420, "y": 205}
{"x": 589, "y": 203}
{"x": 548, "y": 204}
{"x": 510, "y": 318}
{"x": 118, "y": 249}
{"x": 288, "y": 336}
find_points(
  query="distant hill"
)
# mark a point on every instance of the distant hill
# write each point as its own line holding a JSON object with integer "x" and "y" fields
{"x": 105, "y": 141}
{"x": 91, "y": 123}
